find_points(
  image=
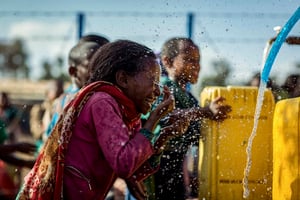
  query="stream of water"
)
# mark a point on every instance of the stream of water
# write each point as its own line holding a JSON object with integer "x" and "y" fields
{"x": 280, "y": 39}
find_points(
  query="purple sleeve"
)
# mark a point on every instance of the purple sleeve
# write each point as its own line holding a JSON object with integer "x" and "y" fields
{"x": 124, "y": 150}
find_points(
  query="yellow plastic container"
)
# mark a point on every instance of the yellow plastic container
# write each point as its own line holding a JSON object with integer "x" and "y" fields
{"x": 222, "y": 149}
{"x": 286, "y": 145}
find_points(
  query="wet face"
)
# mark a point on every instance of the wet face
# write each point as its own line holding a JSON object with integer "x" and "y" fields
{"x": 143, "y": 89}
{"x": 187, "y": 64}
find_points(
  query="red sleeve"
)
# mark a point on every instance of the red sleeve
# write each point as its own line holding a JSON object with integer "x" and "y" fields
{"x": 124, "y": 150}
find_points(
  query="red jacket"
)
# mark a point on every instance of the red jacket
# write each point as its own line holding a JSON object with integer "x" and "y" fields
{"x": 101, "y": 149}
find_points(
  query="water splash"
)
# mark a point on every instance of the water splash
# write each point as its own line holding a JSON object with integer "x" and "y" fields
{"x": 260, "y": 99}
{"x": 264, "y": 78}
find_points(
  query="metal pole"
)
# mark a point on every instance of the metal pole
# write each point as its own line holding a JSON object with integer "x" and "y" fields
{"x": 190, "y": 25}
{"x": 80, "y": 21}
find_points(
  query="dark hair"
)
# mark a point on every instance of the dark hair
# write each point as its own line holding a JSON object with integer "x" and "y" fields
{"x": 85, "y": 48}
{"x": 119, "y": 55}
{"x": 291, "y": 82}
{"x": 101, "y": 40}
{"x": 174, "y": 46}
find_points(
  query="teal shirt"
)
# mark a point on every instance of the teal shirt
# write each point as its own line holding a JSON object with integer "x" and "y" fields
{"x": 183, "y": 99}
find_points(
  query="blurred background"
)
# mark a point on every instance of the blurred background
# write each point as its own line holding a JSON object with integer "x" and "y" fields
{"x": 36, "y": 35}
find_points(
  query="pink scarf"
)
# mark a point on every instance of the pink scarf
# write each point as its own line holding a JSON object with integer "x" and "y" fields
{"x": 45, "y": 180}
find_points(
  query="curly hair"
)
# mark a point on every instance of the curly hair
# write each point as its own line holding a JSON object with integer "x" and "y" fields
{"x": 119, "y": 55}
{"x": 174, "y": 46}
{"x": 85, "y": 48}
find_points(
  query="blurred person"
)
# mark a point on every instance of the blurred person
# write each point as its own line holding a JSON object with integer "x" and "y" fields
{"x": 7, "y": 150}
{"x": 99, "y": 135}
{"x": 41, "y": 114}
{"x": 181, "y": 59}
{"x": 11, "y": 116}
{"x": 13, "y": 164}
{"x": 292, "y": 85}
{"x": 190, "y": 172}
{"x": 79, "y": 57}
{"x": 277, "y": 91}
{"x": 8, "y": 186}
{"x": 255, "y": 80}
{"x": 118, "y": 190}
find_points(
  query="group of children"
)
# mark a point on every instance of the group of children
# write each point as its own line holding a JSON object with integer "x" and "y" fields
{"x": 121, "y": 120}
{"x": 121, "y": 124}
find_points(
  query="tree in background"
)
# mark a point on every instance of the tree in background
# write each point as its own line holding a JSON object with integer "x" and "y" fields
{"x": 13, "y": 59}
{"x": 222, "y": 71}
{"x": 47, "y": 71}
{"x": 298, "y": 65}
{"x": 13, "y": 63}
{"x": 54, "y": 70}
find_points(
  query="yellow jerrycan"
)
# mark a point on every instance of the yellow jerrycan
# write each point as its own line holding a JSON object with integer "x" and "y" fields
{"x": 286, "y": 147}
{"x": 222, "y": 147}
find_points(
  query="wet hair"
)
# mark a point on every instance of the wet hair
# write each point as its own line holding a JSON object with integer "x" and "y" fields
{"x": 174, "y": 46}
{"x": 85, "y": 48}
{"x": 123, "y": 55}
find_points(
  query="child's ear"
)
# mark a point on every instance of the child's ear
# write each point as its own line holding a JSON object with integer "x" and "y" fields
{"x": 166, "y": 61}
{"x": 72, "y": 70}
{"x": 122, "y": 79}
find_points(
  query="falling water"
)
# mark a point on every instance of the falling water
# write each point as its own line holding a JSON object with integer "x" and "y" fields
{"x": 264, "y": 78}
{"x": 260, "y": 98}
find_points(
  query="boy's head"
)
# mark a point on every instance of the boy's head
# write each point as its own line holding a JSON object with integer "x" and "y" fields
{"x": 181, "y": 59}
{"x": 80, "y": 56}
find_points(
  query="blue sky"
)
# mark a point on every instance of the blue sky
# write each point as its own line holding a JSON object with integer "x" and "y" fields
{"x": 234, "y": 30}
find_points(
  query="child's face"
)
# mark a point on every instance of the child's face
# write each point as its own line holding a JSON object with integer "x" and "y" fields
{"x": 80, "y": 73}
{"x": 187, "y": 64}
{"x": 143, "y": 90}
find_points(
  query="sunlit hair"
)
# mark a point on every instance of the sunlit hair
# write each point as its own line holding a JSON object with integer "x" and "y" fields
{"x": 123, "y": 55}
{"x": 101, "y": 40}
{"x": 85, "y": 48}
{"x": 174, "y": 46}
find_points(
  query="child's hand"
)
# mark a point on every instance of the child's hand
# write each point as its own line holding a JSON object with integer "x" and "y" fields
{"x": 219, "y": 110}
{"x": 167, "y": 105}
{"x": 177, "y": 122}
{"x": 25, "y": 147}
